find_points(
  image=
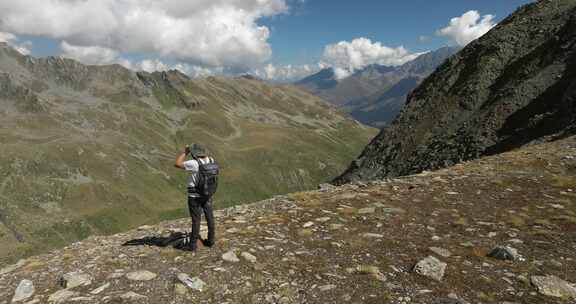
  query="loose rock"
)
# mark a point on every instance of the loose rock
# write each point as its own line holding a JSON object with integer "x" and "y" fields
{"x": 441, "y": 251}
{"x": 80, "y": 299}
{"x": 132, "y": 296}
{"x": 100, "y": 289}
{"x": 75, "y": 279}
{"x": 62, "y": 296}
{"x": 367, "y": 210}
{"x": 194, "y": 283}
{"x": 393, "y": 210}
{"x": 327, "y": 287}
{"x": 431, "y": 267}
{"x": 326, "y": 187}
{"x": 24, "y": 291}
{"x": 141, "y": 275}
{"x": 230, "y": 256}
{"x": 373, "y": 235}
{"x": 505, "y": 253}
{"x": 249, "y": 257}
{"x": 371, "y": 270}
{"x": 553, "y": 286}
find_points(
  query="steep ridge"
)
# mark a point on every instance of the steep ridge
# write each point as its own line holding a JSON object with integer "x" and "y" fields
{"x": 90, "y": 149}
{"x": 358, "y": 243}
{"x": 366, "y": 93}
{"x": 513, "y": 86}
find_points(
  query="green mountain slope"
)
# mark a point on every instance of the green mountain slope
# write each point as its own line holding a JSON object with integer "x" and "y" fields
{"x": 90, "y": 149}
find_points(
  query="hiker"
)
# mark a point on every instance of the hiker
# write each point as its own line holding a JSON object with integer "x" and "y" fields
{"x": 202, "y": 182}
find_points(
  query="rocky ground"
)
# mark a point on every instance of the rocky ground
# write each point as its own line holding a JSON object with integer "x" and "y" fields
{"x": 501, "y": 229}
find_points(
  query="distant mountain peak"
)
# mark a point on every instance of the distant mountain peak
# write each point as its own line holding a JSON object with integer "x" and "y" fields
{"x": 429, "y": 61}
{"x": 324, "y": 79}
{"x": 373, "y": 70}
{"x": 363, "y": 94}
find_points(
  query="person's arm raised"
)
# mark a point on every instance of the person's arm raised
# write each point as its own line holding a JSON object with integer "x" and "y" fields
{"x": 180, "y": 159}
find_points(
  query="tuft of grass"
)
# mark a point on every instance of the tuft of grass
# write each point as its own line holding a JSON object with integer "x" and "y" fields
{"x": 516, "y": 220}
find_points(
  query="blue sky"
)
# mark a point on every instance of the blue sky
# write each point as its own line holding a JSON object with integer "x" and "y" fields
{"x": 271, "y": 38}
{"x": 299, "y": 37}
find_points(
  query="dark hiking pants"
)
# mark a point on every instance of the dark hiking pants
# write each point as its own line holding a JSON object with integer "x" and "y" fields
{"x": 196, "y": 205}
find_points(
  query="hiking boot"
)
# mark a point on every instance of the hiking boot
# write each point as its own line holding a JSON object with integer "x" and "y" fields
{"x": 185, "y": 245}
{"x": 207, "y": 243}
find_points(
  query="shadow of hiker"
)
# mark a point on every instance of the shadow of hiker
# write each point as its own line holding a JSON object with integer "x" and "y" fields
{"x": 177, "y": 240}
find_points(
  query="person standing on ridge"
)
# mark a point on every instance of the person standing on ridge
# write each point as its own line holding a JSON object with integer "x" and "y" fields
{"x": 202, "y": 183}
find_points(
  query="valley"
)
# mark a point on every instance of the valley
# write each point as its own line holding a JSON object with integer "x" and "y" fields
{"x": 90, "y": 149}
{"x": 375, "y": 94}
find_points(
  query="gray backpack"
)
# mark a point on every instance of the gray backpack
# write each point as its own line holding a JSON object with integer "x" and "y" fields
{"x": 207, "y": 177}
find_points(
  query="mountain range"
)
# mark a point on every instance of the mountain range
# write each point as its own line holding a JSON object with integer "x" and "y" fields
{"x": 87, "y": 150}
{"x": 90, "y": 149}
{"x": 514, "y": 86}
{"x": 375, "y": 94}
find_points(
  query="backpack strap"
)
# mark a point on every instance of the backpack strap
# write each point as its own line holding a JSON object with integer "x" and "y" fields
{"x": 197, "y": 160}
{"x": 209, "y": 160}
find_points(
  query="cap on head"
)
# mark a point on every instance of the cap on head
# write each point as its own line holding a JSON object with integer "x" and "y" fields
{"x": 197, "y": 150}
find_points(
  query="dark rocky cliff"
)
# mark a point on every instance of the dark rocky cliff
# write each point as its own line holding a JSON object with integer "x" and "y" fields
{"x": 514, "y": 86}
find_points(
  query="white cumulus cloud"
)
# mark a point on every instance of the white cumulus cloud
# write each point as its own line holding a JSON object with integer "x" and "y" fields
{"x": 206, "y": 33}
{"x": 272, "y": 72}
{"x": 286, "y": 73}
{"x": 100, "y": 55}
{"x": 157, "y": 65}
{"x": 90, "y": 54}
{"x": 152, "y": 65}
{"x": 12, "y": 40}
{"x": 6, "y": 37}
{"x": 468, "y": 27}
{"x": 346, "y": 57}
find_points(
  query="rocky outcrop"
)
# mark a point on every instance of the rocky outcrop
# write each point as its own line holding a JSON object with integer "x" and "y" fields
{"x": 24, "y": 99}
{"x": 164, "y": 87}
{"x": 513, "y": 86}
